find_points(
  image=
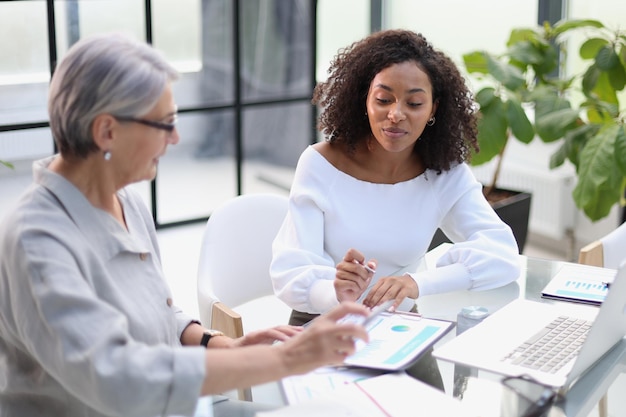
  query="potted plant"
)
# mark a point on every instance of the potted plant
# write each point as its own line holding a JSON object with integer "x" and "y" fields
{"x": 581, "y": 110}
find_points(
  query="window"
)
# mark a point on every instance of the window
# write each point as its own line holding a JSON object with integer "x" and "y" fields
{"x": 247, "y": 73}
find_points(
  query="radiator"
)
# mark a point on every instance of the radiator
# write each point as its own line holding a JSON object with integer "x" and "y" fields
{"x": 25, "y": 144}
{"x": 552, "y": 210}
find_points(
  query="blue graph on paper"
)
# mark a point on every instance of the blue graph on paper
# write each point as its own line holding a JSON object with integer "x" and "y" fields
{"x": 580, "y": 283}
{"x": 590, "y": 290}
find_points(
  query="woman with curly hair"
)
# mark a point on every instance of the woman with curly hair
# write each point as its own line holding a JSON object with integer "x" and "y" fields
{"x": 400, "y": 124}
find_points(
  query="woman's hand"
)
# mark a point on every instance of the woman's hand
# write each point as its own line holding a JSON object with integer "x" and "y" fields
{"x": 388, "y": 288}
{"x": 353, "y": 276}
{"x": 324, "y": 341}
{"x": 267, "y": 336}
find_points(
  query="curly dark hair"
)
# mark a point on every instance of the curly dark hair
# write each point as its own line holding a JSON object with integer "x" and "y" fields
{"x": 343, "y": 96}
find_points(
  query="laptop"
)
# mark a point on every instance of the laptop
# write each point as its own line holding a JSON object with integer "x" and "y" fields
{"x": 502, "y": 342}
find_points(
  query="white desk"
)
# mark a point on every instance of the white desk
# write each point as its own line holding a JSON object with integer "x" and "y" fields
{"x": 536, "y": 273}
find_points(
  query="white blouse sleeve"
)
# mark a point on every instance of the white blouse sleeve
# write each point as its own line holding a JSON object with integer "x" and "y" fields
{"x": 302, "y": 272}
{"x": 484, "y": 255}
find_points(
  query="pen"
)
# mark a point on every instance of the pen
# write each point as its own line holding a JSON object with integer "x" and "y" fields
{"x": 366, "y": 266}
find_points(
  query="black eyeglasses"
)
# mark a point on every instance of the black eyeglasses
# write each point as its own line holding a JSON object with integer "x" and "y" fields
{"x": 168, "y": 127}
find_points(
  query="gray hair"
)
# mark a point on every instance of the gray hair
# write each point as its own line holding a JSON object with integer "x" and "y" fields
{"x": 110, "y": 73}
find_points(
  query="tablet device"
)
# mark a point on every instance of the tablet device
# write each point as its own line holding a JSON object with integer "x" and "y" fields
{"x": 397, "y": 340}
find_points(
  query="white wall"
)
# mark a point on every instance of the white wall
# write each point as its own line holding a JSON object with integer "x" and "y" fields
{"x": 454, "y": 26}
{"x": 459, "y": 26}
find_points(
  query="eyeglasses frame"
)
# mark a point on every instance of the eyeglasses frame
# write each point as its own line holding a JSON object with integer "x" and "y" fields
{"x": 168, "y": 127}
{"x": 538, "y": 407}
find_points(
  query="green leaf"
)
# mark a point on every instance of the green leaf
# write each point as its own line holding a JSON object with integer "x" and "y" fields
{"x": 617, "y": 76}
{"x": 522, "y": 34}
{"x": 577, "y": 138}
{"x": 554, "y": 125}
{"x": 558, "y": 157}
{"x": 566, "y": 25}
{"x": 485, "y": 96}
{"x": 510, "y": 76}
{"x": 620, "y": 149}
{"x": 548, "y": 63}
{"x": 521, "y": 127}
{"x": 492, "y": 132}
{"x": 604, "y": 90}
{"x": 605, "y": 197}
{"x": 7, "y": 164}
{"x": 599, "y": 111}
{"x": 542, "y": 56}
{"x": 548, "y": 100}
{"x": 476, "y": 62}
{"x": 590, "y": 48}
{"x": 599, "y": 179}
{"x": 526, "y": 52}
{"x": 590, "y": 79}
{"x": 606, "y": 59}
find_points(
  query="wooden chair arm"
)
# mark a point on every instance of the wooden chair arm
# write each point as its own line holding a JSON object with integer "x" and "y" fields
{"x": 226, "y": 320}
{"x": 592, "y": 254}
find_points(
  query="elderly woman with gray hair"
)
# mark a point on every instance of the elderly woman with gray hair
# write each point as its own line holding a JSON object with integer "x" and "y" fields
{"x": 87, "y": 325}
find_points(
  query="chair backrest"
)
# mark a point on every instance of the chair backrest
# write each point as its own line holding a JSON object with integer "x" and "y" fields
{"x": 592, "y": 254}
{"x": 614, "y": 247}
{"x": 609, "y": 251}
{"x": 236, "y": 253}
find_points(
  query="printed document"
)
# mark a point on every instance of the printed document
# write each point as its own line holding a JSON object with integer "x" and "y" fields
{"x": 389, "y": 395}
{"x": 580, "y": 283}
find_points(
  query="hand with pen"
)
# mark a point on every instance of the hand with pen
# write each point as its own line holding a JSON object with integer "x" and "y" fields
{"x": 354, "y": 276}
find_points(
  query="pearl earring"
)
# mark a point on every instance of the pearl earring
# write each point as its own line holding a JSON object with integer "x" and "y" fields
{"x": 107, "y": 155}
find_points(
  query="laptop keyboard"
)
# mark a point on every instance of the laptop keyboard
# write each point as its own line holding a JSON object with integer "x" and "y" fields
{"x": 553, "y": 346}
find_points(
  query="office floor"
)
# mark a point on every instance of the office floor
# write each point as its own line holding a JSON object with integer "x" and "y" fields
{"x": 180, "y": 251}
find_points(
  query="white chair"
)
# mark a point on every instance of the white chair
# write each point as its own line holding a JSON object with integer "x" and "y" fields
{"x": 233, "y": 272}
{"x": 609, "y": 252}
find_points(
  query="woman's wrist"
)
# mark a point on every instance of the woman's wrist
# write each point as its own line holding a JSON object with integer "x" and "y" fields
{"x": 208, "y": 335}
{"x": 196, "y": 335}
{"x": 219, "y": 340}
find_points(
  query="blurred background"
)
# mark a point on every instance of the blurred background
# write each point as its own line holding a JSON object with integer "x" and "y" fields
{"x": 248, "y": 69}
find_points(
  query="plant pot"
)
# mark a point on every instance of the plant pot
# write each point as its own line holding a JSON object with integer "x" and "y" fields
{"x": 514, "y": 210}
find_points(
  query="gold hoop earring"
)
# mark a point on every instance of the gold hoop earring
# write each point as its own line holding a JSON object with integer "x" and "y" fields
{"x": 431, "y": 121}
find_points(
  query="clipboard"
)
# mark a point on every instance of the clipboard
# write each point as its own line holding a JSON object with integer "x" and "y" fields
{"x": 397, "y": 340}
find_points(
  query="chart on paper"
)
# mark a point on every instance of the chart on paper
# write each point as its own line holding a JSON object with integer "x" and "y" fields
{"x": 322, "y": 381}
{"x": 580, "y": 284}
